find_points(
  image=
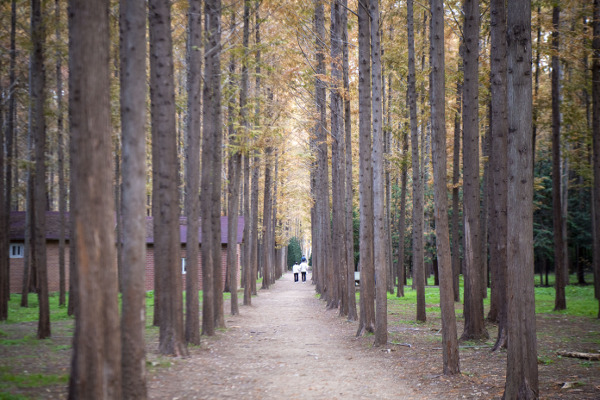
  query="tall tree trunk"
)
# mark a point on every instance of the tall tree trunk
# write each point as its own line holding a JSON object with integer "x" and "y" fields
{"x": 417, "y": 214}
{"x": 498, "y": 178}
{"x": 96, "y": 362}
{"x": 438, "y": 151}
{"x": 267, "y": 213}
{"x": 4, "y": 217}
{"x": 62, "y": 192}
{"x": 132, "y": 20}
{"x": 213, "y": 87}
{"x": 596, "y": 145}
{"x": 521, "y": 370}
{"x": 367, "y": 275}
{"x": 37, "y": 127}
{"x": 256, "y": 157}
{"x": 559, "y": 257}
{"x": 233, "y": 176}
{"x": 325, "y": 264}
{"x": 192, "y": 170}
{"x": 455, "y": 185}
{"x": 165, "y": 193}
{"x": 246, "y": 158}
{"x": 402, "y": 217}
{"x": 11, "y": 116}
{"x": 73, "y": 303}
{"x": 485, "y": 203}
{"x": 349, "y": 193}
{"x": 337, "y": 159}
{"x": 537, "y": 80}
{"x": 473, "y": 308}
{"x": 10, "y": 134}
{"x": 211, "y": 170}
{"x": 380, "y": 237}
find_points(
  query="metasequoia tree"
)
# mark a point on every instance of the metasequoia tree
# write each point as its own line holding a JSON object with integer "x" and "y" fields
{"x": 349, "y": 193}
{"x": 192, "y": 170}
{"x": 417, "y": 214}
{"x": 132, "y": 21}
{"x": 521, "y": 370}
{"x": 4, "y": 244}
{"x": 402, "y": 217}
{"x": 96, "y": 360}
{"x": 212, "y": 56}
{"x": 596, "y": 145}
{"x": 324, "y": 256}
{"x": 267, "y": 228}
{"x": 255, "y": 153}
{"x": 37, "y": 128}
{"x": 455, "y": 187}
{"x": 473, "y": 307}
{"x": 337, "y": 159}
{"x": 438, "y": 151}
{"x": 244, "y": 86}
{"x": 9, "y": 135}
{"x": 212, "y": 308}
{"x": 560, "y": 302}
{"x": 379, "y": 216}
{"x": 234, "y": 177}
{"x": 499, "y": 132}
{"x": 62, "y": 189}
{"x": 367, "y": 307}
{"x": 165, "y": 196}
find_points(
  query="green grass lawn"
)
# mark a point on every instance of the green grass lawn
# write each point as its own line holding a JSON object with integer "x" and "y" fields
{"x": 580, "y": 299}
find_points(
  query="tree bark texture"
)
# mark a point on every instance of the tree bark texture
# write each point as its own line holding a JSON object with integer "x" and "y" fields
{"x": 62, "y": 190}
{"x": 402, "y": 217}
{"x": 521, "y": 370}
{"x": 379, "y": 216}
{"x": 351, "y": 294}
{"x": 247, "y": 269}
{"x": 456, "y": 240}
{"x": 338, "y": 163}
{"x": 473, "y": 307}
{"x": 165, "y": 194}
{"x": 367, "y": 273}
{"x": 192, "y": 170}
{"x": 417, "y": 214}
{"x": 37, "y": 126}
{"x": 596, "y": 145}
{"x": 560, "y": 302}
{"x": 96, "y": 362}
{"x": 440, "y": 193}
{"x": 4, "y": 217}
{"x": 322, "y": 201}
{"x": 267, "y": 233}
{"x": 233, "y": 209}
{"x": 133, "y": 122}
{"x": 211, "y": 170}
{"x": 498, "y": 199}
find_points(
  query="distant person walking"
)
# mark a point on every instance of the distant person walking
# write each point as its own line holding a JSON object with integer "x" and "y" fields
{"x": 296, "y": 269}
{"x": 303, "y": 268}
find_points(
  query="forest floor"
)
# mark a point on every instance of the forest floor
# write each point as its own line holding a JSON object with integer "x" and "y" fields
{"x": 288, "y": 346}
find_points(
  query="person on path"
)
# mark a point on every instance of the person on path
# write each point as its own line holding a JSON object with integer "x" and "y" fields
{"x": 296, "y": 269}
{"x": 303, "y": 268}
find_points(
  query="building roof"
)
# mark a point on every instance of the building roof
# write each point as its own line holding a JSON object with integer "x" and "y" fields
{"x": 18, "y": 223}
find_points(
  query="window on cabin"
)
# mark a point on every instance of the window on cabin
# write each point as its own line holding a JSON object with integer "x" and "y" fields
{"x": 17, "y": 250}
{"x": 183, "y": 269}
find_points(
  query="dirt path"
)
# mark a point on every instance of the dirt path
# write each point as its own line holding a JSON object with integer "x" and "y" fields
{"x": 284, "y": 346}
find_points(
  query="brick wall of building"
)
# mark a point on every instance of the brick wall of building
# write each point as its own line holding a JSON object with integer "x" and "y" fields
{"x": 16, "y": 268}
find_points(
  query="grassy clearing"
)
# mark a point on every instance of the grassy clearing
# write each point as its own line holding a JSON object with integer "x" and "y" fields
{"x": 580, "y": 299}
